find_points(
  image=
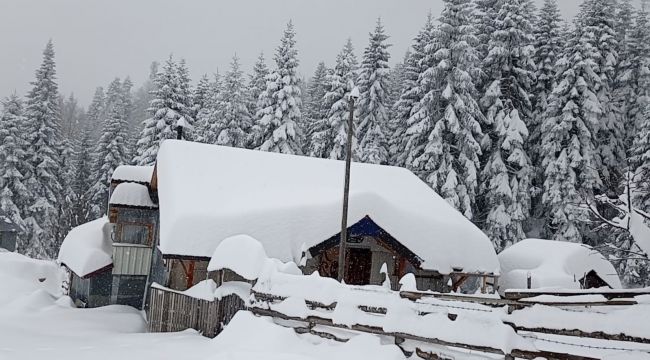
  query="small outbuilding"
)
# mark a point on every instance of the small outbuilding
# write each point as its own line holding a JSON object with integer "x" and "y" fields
{"x": 537, "y": 264}
{"x": 8, "y": 232}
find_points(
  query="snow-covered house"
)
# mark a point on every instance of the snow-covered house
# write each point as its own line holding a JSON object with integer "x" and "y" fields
{"x": 555, "y": 264}
{"x": 8, "y": 232}
{"x": 109, "y": 259}
{"x": 292, "y": 205}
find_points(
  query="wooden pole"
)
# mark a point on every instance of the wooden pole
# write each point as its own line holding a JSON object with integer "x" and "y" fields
{"x": 346, "y": 192}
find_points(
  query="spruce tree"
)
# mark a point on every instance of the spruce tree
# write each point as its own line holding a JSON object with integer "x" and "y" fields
{"x": 315, "y": 107}
{"x": 568, "y": 147}
{"x": 373, "y": 102}
{"x": 445, "y": 124}
{"x": 235, "y": 121}
{"x": 43, "y": 180}
{"x": 506, "y": 174}
{"x": 279, "y": 113}
{"x": 640, "y": 157}
{"x": 549, "y": 45}
{"x": 111, "y": 150}
{"x": 201, "y": 95}
{"x": 210, "y": 115}
{"x": 82, "y": 180}
{"x": 257, "y": 82}
{"x": 95, "y": 113}
{"x": 411, "y": 144}
{"x": 14, "y": 198}
{"x": 184, "y": 98}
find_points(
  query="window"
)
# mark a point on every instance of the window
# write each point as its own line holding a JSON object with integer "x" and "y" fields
{"x": 134, "y": 234}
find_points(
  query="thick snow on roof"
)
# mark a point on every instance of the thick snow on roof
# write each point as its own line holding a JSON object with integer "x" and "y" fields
{"x": 552, "y": 264}
{"x": 241, "y": 254}
{"x": 131, "y": 194}
{"x": 291, "y": 203}
{"x": 141, "y": 174}
{"x": 87, "y": 247}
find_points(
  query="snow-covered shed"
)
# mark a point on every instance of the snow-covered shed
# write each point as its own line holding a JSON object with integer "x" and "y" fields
{"x": 8, "y": 232}
{"x": 86, "y": 253}
{"x": 292, "y": 205}
{"x": 555, "y": 264}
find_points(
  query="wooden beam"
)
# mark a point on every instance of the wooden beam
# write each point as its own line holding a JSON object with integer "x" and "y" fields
{"x": 580, "y": 333}
{"x": 611, "y": 294}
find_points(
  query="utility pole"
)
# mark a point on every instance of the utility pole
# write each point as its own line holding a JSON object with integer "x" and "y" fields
{"x": 354, "y": 95}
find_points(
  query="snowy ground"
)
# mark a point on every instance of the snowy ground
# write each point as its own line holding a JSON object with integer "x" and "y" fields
{"x": 37, "y": 323}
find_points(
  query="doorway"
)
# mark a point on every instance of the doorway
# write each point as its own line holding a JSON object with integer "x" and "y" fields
{"x": 359, "y": 264}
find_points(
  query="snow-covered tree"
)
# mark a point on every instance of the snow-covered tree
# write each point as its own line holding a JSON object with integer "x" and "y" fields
{"x": 640, "y": 160}
{"x": 234, "y": 121}
{"x": 257, "y": 83}
{"x": 279, "y": 113}
{"x": 111, "y": 150}
{"x": 411, "y": 145}
{"x": 209, "y": 116}
{"x": 568, "y": 145}
{"x": 14, "y": 197}
{"x": 315, "y": 107}
{"x": 82, "y": 180}
{"x": 43, "y": 179}
{"x": 95, "y": 113}
{"x": 373, "y": 102}
{"x": 549, "y": 45}
{"x": 201, "y": 95}
{"x": 328, "y": 137}
{"x": 445, "y": 124}
{"x": 507, "y": 101}
{"x": 168, "y": 105}
{"x": 598, "y": 28}
{"x": 184, "y": 98}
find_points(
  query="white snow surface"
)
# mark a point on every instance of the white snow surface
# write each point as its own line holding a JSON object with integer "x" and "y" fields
{"x": 208, "y": 193}
{"x": 552, "y": 264}
{"x": 87, "y": 247}
{"x": 134, "y": 173}
{"x": 241, "y": 254}
{"x": 132, "y": 194}
{"x": 640, "y": 232}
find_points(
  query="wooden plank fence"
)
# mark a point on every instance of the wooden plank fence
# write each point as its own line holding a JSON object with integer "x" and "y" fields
{"x": 173, "y": 311}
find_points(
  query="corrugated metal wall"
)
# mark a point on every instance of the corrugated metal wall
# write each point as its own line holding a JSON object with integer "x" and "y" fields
{"x": 131, "y": 260}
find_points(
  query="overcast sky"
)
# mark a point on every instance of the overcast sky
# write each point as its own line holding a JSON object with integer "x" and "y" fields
{"x": 98, "y": 40}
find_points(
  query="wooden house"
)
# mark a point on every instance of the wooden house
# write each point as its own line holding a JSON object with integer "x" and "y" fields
{"x": 166, "y": 222}
{"x": 8, "y": 232}
{"x": 538, "y": 263}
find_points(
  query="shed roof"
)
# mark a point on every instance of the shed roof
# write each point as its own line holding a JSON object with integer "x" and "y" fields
{"x": 290, "y": 203}
{"x": 87, "y": 247}
{"x": 552, "y": 264}
{"x": 132, "y": 194}
{"x": 133, "y": 173}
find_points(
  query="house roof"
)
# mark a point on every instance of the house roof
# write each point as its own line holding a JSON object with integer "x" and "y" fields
{"x": 290, "y": 203}
{"x": 132, "y": 194}
{"x": 552, "y": 264}
{"x": 132, "y": 173}
{"x": 87, "y": 247}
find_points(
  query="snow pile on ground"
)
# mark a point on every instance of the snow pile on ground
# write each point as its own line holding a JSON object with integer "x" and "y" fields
{"x": 291, "y": 203}
{"x": 21, "y": 276}
{"x": 133, "y": 173}
{"x": 132, "y": 194}
{"x": 552, "y": 264}
{"x": 87, "y": 247}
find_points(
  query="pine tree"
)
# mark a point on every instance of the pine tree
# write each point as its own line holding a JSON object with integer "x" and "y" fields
{"x": 14, "y": 199}
{"x": 82, "y": 180}
{"x": 445, "y": 124}
{"x": 201, "y": 95}
{"x": 95, "y": 113}
{"x": 412, "y": 144}
{"x": 111, "y": 150}
{"x": 141, "y": 100}
{"x": 184, "y": 98}
{"x": 315, "y": 107}
{"x": 168, "y": 105}
{"x": 598, "y": 27}
{"x": 506, "y": 175}
{"x": 279, "y": 115}
{"x": 549, "y": 44}
{"x": 68, "y": 198}
{"x": 640, "y": 157}
{"x": 257, "y": 82}
{"x": 43, "y": 180}
{"x": 373, "y": 101}
{"x": 235, "y": 121}
{"x": 568, "y": 146}
{"x": 211, "y": 113}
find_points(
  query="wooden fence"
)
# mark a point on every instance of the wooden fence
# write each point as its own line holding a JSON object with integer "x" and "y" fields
{"x": 174, "y": 311}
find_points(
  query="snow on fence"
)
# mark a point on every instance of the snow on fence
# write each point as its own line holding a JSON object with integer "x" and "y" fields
{"x": 176, "y": 311}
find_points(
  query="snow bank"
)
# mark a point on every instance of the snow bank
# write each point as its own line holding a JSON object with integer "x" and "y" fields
{"x": 87, "y": 247}
{"x": 132, "y": 194}
{"x": 140, "y": 174}
{"x": 552, "y": 264}
{"x": 208, "y": 193}
{"x": 241, "y": 254}
{"x": 21, "y": 276}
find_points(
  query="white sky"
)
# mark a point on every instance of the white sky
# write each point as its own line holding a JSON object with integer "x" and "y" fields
{"x": 98, "y": 40}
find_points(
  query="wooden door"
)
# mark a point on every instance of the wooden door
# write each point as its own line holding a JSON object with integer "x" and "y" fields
{"x": 358, "y": 266}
